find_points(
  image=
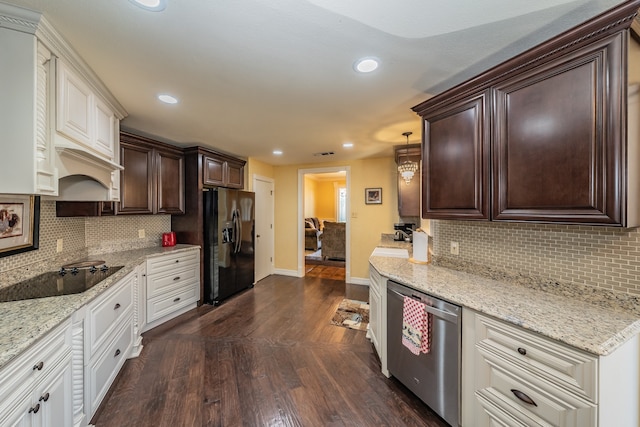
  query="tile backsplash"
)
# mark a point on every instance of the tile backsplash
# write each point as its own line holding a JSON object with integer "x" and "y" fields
{"x": 87, "y": 236}
{"x": 604, "y": 257}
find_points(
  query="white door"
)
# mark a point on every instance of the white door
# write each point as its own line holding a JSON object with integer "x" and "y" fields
{"x": 263, "y": 187}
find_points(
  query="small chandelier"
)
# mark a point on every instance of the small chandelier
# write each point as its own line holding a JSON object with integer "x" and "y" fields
{"x": 408, "y": 168}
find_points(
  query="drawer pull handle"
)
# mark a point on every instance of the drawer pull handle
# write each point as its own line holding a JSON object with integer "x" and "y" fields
{"x": 177, "y": 299}
{"x": 117, "y": 306}
{"x": 34, "y": 409}
{"x": 176, "y": 278}
{"x": 39, "y": 366}
{"x": 520, "y": 395}
{"x": 44, "y": 397}
{"x": 522, "y": 351}
{"x": 117, "y": 353}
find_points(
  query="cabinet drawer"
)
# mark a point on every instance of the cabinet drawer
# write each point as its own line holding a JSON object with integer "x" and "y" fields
{"x": 166, "y": 304}
{"x": 551, "y": 405}
{"x": 108, "y": 311}
{"x": 566, "y": 367}
{"x": 170, "y": 262}
{"x": 36, "y": 362}
{"x": 160, "y": 284}
{"x": 103, "y": 369}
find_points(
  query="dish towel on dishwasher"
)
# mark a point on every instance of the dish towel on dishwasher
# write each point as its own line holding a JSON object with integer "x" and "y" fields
{"x": 416, "y": 326}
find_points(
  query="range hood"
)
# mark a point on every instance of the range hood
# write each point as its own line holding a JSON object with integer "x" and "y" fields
{"x": 85, "y": 177}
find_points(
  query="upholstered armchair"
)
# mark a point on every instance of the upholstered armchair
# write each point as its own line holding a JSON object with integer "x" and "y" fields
{"x": 333, "y": 240}
{"x": 312, "y": 234}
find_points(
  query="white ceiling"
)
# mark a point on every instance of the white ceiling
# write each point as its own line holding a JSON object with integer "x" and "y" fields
{"x": 257, "y": 75}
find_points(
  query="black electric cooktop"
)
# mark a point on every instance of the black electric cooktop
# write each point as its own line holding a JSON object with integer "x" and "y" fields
{"x": 56, "y": 283}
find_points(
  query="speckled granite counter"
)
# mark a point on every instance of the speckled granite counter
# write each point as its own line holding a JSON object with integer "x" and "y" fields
{"x": 24, "y": 322}
{"x": 586, "y": 318}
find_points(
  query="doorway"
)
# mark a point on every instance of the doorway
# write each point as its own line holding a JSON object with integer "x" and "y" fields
{"x": 340, "y": 183}
{"x": 263, "y": 188}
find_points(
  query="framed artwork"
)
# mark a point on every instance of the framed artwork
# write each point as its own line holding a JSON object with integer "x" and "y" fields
{"x": 19, "y": 223}
{"x": 373, "y": 196}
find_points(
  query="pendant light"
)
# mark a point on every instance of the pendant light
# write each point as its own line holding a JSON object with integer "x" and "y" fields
{"x": 408, "y": 168}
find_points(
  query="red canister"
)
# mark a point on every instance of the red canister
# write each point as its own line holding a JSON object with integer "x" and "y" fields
{"x": 169, "y": 239}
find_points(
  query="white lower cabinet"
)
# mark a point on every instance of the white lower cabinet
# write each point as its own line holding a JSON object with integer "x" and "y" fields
{"x": 172, "y": 286}
{"x": 513, "y": 377}
{"x": 377, "y": 331}
{"x": 108, "y": 339}
{"x": 36, "y": 388}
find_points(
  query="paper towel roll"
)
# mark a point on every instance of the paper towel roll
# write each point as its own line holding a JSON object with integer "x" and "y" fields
{"x": 420, "y": 246}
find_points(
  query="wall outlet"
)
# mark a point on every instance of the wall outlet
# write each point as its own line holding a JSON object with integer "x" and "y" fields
{"x": 354, "y": 214}
{"x": 141, "y": 233}
{"x": 455, "y": 248}
{"x": 59, "y": 245}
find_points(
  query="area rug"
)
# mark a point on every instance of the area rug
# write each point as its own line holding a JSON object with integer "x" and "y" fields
{"x": 352, "y": 314}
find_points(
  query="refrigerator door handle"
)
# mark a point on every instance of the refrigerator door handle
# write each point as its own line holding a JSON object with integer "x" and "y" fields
{"x": 239, "y": 219}
{"x": 237, "y": 229}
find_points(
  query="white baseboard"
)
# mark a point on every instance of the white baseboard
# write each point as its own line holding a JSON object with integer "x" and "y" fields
{"x": 359, "y": 281}
{"x": 283, "y": 272}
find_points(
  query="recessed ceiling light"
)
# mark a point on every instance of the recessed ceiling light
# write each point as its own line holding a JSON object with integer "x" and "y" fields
{"x": 347, "y": 144}
{"x": 366, "y": 65}
{"x": 277, "y": 152}
{"x": 167, "y": 99}
{"x": 151, "y": 5}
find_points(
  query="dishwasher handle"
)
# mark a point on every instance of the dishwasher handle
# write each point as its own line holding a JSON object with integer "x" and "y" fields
{"x": 442, "y": 314}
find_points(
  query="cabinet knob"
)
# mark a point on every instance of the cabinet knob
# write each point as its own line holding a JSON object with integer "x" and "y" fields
{"x": 257, "y": 235}
{"x": 177, "y": 299}
{"x": 522, "y": 396}
{"x": 117, "y": 306}
{"x": 177, "y": 260}
{"x": 176, "y": 278}
{"x": 522, "y": 351}
{"x": 34, "y": 409}
{"x": 117, "y": 353}
{"x": 39, "y": 366}
{"x": 44, "y": 397}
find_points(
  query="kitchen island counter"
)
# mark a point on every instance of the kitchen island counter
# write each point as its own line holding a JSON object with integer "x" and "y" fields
{"x": 25, "y": 322}
{"x": 587, "y": 318}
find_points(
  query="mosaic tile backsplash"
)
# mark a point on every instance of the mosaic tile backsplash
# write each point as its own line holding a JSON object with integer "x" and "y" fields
{"x": 603, "y": 257}
{"x": 86, "y": 236}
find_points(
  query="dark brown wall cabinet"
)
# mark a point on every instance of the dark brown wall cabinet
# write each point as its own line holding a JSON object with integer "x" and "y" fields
{"x": 204, "y": 168}
{"x": 68, "y": 209}
{"x": 221, "y": 171}
{"x": 544, "y": 137}
{"x": 153, "y": 177}
{"x": 409, "y": 194}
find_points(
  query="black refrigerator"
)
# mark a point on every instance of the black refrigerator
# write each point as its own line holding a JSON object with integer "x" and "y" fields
{"x": 229, "y": 243}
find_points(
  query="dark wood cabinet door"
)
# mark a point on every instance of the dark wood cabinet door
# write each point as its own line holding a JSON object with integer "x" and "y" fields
{"x": 170, "y": 182}
{"x": 409, "y": 194}
{"x": 455, "y": 160}
{"x": 234, "y": 175}
{"x": 136, "y": 180}
{"x": 558, "y": 152}
{"x": 213, "y": 171}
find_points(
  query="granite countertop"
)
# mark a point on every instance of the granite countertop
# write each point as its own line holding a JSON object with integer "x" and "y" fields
{"x": 25, "y": 322}
{"x": 596, "y": 321}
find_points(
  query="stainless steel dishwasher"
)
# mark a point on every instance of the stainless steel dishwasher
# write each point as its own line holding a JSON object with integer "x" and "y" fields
{"x": 433, "y": 377}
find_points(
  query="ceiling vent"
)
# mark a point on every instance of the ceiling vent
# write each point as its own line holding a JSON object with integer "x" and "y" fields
{"x": 324, "y": 153}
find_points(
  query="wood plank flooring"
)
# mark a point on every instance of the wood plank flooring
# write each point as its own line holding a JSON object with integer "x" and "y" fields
{"x": 266, "y": 357}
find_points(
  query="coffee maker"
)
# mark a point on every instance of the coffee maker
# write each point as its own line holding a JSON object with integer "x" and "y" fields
{"x": 403, "y": 231}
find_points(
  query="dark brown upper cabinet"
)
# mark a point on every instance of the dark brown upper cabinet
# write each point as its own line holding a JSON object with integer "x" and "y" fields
{"x": 220, "y": 170}
{"x": 549, "y": 136}
{"x": 152, "y": 181}
{"x": 408, "y": 194}
{"x": 456, "y": 160}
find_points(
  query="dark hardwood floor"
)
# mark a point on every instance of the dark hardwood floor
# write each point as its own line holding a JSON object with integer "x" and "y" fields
{"x": 267, "y": 357}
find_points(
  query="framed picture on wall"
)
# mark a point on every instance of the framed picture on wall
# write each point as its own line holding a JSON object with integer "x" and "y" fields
{"x": 373, "y": 196}
{"x": 19, "y": 223}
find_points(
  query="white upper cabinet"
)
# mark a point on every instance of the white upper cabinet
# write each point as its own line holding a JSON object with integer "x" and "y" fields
{"x": 82, "y": 115}
{"x": 60, "y": 124}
